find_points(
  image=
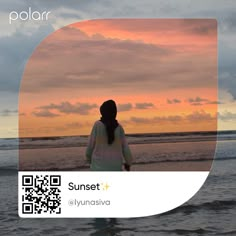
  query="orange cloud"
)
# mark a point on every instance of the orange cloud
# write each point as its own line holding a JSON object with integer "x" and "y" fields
{"x": 152, "y": 68}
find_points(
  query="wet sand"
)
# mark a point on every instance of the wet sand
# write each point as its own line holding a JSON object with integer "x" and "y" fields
{"x": 149, "y": 157}
{"x": 175, "y": 166}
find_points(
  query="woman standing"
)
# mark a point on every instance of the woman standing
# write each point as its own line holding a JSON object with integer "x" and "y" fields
{"x": 107, "y": 146}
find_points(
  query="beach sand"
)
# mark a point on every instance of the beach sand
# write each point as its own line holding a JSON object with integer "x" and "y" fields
{"x": 170, "y": 166}
{"x": 155, "y": 157}
{"x": 175, "y": 166}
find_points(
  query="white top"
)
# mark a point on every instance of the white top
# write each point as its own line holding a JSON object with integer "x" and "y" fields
{"x": 107, "y": 157}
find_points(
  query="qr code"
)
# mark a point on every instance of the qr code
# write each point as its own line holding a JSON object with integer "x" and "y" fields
{"x": 41, "y": 194}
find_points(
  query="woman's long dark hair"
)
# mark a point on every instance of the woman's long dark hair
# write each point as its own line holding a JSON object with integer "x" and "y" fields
{"x": 108, "y": 111}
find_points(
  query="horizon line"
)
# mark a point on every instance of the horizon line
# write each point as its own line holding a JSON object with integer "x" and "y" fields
{"x": 209, "y": 131}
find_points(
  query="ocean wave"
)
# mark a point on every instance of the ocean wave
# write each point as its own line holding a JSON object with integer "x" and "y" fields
{"x": 225, "y": 158}
{"x": 80, "y": 141}
{"x": 232, "y": 232}
{"x": 215, "y": 205}
{"x": 198, "y": 231}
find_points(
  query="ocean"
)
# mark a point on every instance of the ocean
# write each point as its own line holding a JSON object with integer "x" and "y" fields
{"x": 194, "y": 150}
{"x": 212, "y": 211}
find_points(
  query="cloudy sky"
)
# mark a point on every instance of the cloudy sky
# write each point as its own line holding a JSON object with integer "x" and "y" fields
{"x": 162, "y": 74}
{"x": 18, "y": 41}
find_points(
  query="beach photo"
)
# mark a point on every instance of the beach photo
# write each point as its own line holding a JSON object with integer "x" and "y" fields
{"x": 53, "y": 136}
{"x": 161, "y": 75}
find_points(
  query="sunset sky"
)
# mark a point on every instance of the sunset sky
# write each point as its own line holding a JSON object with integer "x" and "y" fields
{"x": 161, "y": 73}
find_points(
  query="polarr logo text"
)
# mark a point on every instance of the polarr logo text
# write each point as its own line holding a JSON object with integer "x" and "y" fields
{"x": 28, "y": 15}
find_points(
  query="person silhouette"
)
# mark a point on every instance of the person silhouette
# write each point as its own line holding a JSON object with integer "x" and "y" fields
{"x": 107, "y": 146}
